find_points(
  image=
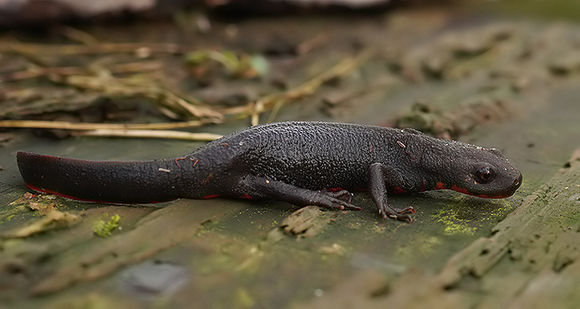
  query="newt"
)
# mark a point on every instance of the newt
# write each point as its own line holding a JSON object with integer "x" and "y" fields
{"x": 303, "y": 163}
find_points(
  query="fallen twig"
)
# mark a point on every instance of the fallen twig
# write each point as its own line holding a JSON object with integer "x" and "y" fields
{"x": 120, "y": 68}
{"x": 166, "y": 134}
{"x": 64, "y": 125}
{"x": 102, "y": 48}
{"x": 78, "y": 35}
{"x": 312, "y": 43}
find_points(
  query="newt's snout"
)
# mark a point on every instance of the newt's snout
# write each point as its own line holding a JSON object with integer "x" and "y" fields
{"x": 517, "y": 182}
{"x": 509, "y": 190}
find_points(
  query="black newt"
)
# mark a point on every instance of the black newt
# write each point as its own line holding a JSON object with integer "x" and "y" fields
{"x": 304, "y": 163}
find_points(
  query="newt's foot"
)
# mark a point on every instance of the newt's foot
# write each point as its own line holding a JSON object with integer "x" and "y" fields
{"x": 331, "y": 202}
{"x": 342, "y": 195}
{"x": 396, "y": 213}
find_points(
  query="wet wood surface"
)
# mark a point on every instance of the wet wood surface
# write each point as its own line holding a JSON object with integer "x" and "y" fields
{"x": 512, "y": 85}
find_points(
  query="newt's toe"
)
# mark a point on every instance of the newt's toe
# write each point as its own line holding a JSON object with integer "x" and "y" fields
{"x": 408, "y": 210}
{"x": 407, "y": 218}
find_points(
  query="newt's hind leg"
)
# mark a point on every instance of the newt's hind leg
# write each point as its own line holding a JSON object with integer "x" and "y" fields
{"x": 278, "y": 190}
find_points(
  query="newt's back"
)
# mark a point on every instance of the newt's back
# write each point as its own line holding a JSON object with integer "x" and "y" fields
{"x": 313, "y": 155}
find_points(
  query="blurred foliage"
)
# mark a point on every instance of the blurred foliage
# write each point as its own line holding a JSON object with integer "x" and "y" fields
{"x": 239, "y": 65}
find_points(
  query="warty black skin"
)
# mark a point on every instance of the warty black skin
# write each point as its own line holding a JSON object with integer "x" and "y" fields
{"x": 304, "y": 163}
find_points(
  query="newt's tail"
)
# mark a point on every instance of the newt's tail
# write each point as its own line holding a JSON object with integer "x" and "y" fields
{"x": 101, "y": 181}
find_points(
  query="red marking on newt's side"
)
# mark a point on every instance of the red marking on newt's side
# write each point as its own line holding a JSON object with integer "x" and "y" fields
{"x": 47, "y": 191}
{"x": 439, "y": 185}
{"x": 337, "y": 189}
{"x": 490, "y": 196}
{"x": 423, "y": 185}
{"x": 210, "y": 196}
{"x": 459, "y": 189}
{"x": 38, "y": 189}
{"x": 399, "y": 190}
{"x": 246, "y": 197}
{"x": 464, "y": 191}
{"x": 55, "y": 158}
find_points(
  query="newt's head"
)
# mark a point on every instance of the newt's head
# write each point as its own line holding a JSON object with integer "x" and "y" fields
{"x": 478, "y": 171}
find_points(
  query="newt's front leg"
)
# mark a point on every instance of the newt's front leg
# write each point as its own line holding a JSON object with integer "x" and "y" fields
{"x": 380, "y": 175}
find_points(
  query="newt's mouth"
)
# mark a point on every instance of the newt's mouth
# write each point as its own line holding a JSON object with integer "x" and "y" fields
{"x": 503, "y": 194}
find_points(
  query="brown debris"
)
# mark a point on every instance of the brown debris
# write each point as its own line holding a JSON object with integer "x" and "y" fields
{"x": 38, "y": 202}
{"x": 185, "y": 106}
{"x": 22, "y": 102}
{"x": 462, "y": 120}
{"x": 341, "y": 100}
{"x": 275, "y": 101}
{"x": 305, "y": 222}
{"x": 47, "y": 206}
{"x": 566, "y": 64}
{"x": 6, "y": 138}
{"x": 53, "y": 220}
{"x": 453, "y": 55}
{"x": 120, "y": 68}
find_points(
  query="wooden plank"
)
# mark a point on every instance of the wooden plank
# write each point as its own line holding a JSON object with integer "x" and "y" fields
{"x": 531, "y": 260}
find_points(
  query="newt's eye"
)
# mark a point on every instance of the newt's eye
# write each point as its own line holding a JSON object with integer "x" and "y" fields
{"x": 484, "y": 174}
